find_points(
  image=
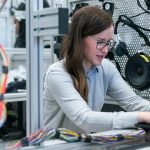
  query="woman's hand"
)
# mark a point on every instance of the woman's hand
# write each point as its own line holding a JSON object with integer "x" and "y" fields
{"x": 144, "y": 117}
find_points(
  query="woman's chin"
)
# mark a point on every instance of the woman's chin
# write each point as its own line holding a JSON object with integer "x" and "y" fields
{"x": 98, "y": 62}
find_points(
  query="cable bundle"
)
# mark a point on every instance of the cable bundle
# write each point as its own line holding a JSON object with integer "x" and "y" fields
{"x": 45, "y": 134}
{"x": 117, "y": 135}
{"x": 3, "y": 82}
{"x": 34, "y": 139}
{"x": 41, "y": 135}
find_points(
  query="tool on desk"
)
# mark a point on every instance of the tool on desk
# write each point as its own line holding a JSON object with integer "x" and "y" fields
{"x": 143, "y": 125}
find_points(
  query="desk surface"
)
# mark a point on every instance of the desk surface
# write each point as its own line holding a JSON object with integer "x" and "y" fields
{"x": 125, "y": 145}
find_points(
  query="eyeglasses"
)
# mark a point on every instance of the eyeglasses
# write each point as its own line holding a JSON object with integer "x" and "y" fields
{"x": 101, "y": 43}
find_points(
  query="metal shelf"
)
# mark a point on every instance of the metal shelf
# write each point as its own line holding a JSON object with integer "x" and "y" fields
{"x": 15, "y": 97}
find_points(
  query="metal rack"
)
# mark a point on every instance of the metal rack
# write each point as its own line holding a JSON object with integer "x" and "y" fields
{"x": 15, "y": 97}
{"x": 36, "y": 30}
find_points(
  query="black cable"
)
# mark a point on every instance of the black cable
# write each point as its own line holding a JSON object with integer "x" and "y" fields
{"x": 139, "y": 4}
{"x": 131, "y": 24}
{"x": 130, "y": 20}
{"x": 138, "y": 15}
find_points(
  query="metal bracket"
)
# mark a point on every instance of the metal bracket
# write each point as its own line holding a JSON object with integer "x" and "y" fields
{"x": 50, "y": 21}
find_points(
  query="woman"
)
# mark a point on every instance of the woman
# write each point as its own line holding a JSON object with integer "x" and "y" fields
{"x": 75, "y": 87}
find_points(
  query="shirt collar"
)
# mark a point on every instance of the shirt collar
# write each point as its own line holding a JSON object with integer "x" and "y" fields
{"x": 93, "y": 69}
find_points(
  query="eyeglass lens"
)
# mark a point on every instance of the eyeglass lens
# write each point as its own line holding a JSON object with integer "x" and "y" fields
{"x": 100, "y": 45}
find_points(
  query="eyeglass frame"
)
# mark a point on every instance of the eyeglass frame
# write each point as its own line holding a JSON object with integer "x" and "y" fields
{"x": 101, "y": 41}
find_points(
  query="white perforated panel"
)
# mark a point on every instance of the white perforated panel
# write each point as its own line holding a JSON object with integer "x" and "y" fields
{"x": 130, "y": 36}
{"x": 127, "y": 34}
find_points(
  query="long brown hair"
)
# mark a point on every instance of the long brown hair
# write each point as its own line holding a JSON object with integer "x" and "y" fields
{"x": 88, "y": 20}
